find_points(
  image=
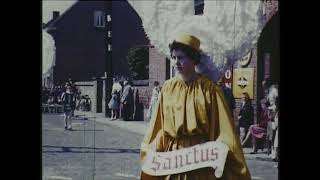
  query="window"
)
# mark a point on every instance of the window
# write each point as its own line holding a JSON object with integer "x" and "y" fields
{"x": 109, "y": 47}
{"x": 109, "y": 34}
{"x": 109, "y": 17}
{"x": 99, "y": 19}
{"x": 198, "y": 7}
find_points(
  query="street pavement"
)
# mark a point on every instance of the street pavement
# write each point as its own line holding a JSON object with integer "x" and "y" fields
{"x": 101, "y": 149}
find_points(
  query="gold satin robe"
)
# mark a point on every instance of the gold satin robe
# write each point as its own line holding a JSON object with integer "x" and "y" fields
{"x": 192, "y": 113}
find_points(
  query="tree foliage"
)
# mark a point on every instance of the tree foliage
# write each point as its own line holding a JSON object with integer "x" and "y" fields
{"x": 138, "y": 61}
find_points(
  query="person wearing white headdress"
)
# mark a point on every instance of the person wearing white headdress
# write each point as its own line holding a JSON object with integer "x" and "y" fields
{"x": 192, "y": 110}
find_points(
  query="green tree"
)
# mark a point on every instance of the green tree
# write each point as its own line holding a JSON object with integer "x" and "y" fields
{"x": 138, "y": 61}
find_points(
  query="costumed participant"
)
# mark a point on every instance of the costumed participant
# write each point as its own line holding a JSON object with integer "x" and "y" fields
{"x": 192, "y": 110}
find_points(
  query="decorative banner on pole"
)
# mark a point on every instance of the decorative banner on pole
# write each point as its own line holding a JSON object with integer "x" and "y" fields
{"x": 210, "y": 154}
{"x": 243, "y": 82}
{"x": 245, "y": 61}
{"x": 228, "y": 78}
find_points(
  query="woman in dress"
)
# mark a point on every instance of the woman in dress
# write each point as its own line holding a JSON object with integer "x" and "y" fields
{"x": 154, "y": 99}
{"x": 258, "y": 131}
{"x": 191, "y": 110}
{"x": 114, "y": 104}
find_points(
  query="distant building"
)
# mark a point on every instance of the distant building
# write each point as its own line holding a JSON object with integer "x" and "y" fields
{"x": 80, "y": 37}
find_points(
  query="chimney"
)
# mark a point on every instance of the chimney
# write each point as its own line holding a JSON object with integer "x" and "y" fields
{"x": 55, "y": 15}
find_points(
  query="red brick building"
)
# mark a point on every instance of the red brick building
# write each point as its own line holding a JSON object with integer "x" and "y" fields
{"x": 159, "y": 67}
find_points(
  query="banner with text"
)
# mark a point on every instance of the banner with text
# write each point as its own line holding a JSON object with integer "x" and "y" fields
{"x": 211, "y": 154}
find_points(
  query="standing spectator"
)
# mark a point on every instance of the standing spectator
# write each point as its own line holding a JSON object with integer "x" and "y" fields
{"x": 118, "y": 88}
{"x": 270, "y": 132}
{"x": 52, "y": 95}
{"x": 127, "y": 101}
{"x": 114, "y": 104}
{"x": 275, "y": 132}
{"x": 78, "y": 98}
{"x": 68, "y": 100}
{"x": 50, "y": 100}
{"x": 245, "y": 116}
{"x": 88, "y": 103}
{"x": 266, "y": 83}
{"x": 121, "y": 94}
{"x": 271, "y": 92}
{"x": 82, "y": 103}
{"x": 272, "y": 96}
{"x": 70, "y": 82}
{"x": 45, "y": 95}
{"x": 55, "y": 95}
{"x": 137, "y": 106}
{"x": 258, "y": 131}
{"x": 66, "y": 85}
{"x": 154, "y": 99}
{"x": 116, "y": 85}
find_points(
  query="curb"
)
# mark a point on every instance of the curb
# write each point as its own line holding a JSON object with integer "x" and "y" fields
{"x": 140, "y": 127}
{"x": 261, "y": 156}
{"x": 250, "y": 157}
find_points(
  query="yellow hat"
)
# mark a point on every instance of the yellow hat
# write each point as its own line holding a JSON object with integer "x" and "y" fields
{"x": 189, "y": 40}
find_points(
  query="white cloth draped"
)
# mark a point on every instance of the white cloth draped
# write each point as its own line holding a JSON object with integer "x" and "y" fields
{"x": 48, "y": 53}
{"x": 227, "y": 29}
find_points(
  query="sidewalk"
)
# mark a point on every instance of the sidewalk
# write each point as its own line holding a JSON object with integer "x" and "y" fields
{"x": 262, "y": 156}
{"x": 140, "y": 127}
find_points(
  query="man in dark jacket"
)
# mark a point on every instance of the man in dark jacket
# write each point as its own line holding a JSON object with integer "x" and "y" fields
{"x": 127, "y": 101}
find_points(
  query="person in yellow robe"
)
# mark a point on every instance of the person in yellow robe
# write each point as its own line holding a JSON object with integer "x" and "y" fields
{"x": 192, "y": 110}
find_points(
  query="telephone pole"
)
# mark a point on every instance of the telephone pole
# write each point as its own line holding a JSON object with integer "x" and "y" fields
{"x": 109, "y": 73}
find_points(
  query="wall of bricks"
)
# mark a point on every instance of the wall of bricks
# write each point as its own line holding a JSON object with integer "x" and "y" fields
{"x": 157, "y": 67}
{"x": 157, "y": 72}
{"x": 144, "y": 95}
